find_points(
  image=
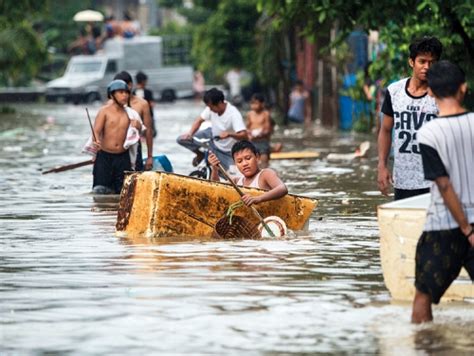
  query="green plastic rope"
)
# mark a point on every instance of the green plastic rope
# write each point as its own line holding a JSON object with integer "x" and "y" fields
{"x": 232, "y": 208}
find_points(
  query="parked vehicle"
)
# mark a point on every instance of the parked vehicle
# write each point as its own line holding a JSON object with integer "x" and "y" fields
{"x": 86, "y": 76}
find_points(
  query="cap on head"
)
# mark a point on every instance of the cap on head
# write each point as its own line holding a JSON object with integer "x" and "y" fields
{"x": 115, "y": 85}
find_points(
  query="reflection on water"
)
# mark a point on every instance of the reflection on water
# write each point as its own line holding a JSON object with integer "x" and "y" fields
{"x": 69, "y": 285}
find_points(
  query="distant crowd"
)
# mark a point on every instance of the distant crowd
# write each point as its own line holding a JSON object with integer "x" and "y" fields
{"x": 91, "y": 38}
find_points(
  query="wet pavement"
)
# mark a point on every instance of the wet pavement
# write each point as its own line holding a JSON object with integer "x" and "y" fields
{"x": 69, "y": 285}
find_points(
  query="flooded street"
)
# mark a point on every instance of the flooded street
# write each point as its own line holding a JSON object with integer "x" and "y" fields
{"x": 69, "y": 285}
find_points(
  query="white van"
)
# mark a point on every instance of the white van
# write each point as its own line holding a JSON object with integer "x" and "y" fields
{"x": 86, "y": 76}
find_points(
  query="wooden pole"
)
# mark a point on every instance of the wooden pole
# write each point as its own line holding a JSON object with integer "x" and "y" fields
{"x": 68, "y": 167}
{"x": 90, "y": 124}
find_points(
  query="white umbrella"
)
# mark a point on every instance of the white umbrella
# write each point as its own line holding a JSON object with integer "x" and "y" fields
{"x": 88, "y": 16}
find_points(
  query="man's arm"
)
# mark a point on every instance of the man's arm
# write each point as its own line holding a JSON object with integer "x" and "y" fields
{"x": 194, "y": 127}
{"x": 239, "y": 136}
{"x": 454, "y": 205}
{"x": 384, "y": 179}
{"x": 435, "y": 170}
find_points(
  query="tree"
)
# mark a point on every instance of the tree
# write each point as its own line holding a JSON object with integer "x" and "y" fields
{"x": 27, "y": 29}
{"x": 399, "y": 22}
{"x": 22, "y": 50}
{"x": 227, "y": 39}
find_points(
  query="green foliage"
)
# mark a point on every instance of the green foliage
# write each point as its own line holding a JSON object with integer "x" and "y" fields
{"x": 27, "y": 29}
{"x": 22, "y": 51}
{"x": 226, "y": 39}
{"x": 171, "y": 28}
{"x": 13, "y": 11}
{"x": 399, "y": 22}
{"x": 170, "y": 3}
{"x": 57, "y": 26}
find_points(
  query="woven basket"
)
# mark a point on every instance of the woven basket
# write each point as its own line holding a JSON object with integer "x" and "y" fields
{"x": 240, "y": 228}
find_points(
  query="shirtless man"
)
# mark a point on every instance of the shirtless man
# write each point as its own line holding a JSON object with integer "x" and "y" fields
{"x": 142, "y": 107}
{"x": 110, "y": 130}
{"x": 259, "y": 128}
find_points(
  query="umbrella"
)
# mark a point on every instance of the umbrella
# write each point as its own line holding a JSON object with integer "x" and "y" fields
{"x": 88, "y": 15}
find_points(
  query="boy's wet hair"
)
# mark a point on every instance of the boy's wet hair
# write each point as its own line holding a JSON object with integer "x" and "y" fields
{"x": 445, "y": 78}
{"x": 125, "y": 76}
{"x": 258, "y": 97}
{"x": 243, "y": 145}
{"x": 426, "y": 45}
{"x": 141, "y": 77}
{"x": 213, "y": 96}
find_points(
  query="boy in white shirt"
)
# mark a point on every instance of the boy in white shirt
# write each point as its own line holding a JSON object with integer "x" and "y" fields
{"x": 447, "y": 151}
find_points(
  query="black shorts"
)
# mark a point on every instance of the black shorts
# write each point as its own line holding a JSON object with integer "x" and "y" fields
{"x": 439, "y": 258}
{"x": 263, "y": 147}
{"x": 109, "y": 169}
{"x": 408, "y": 193}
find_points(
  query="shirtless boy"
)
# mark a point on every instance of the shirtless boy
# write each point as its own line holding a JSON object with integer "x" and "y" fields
{"x": 110, "y": 130}
{"x": 259, "y": 127}
{"x": 142, "y": 107}
{"x": 245, "y": 156}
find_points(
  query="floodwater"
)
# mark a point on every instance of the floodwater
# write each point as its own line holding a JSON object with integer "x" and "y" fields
{"x": 70, "y": 286}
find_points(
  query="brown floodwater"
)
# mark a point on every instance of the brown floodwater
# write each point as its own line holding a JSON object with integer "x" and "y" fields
{"x": 69, "y": 285}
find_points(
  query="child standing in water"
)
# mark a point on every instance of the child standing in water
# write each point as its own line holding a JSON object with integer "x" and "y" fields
{"x": 300, "y": 106}
{"x": 259, "y": 127}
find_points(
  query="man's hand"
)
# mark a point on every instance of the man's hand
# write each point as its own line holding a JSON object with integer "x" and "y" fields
{"x": 249, "y": 200}
{"x": 149, "y": 163}
{"x": 384, "y": 180}
{"x": 224, "y": 134}
{"x": 186, "y": 136}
